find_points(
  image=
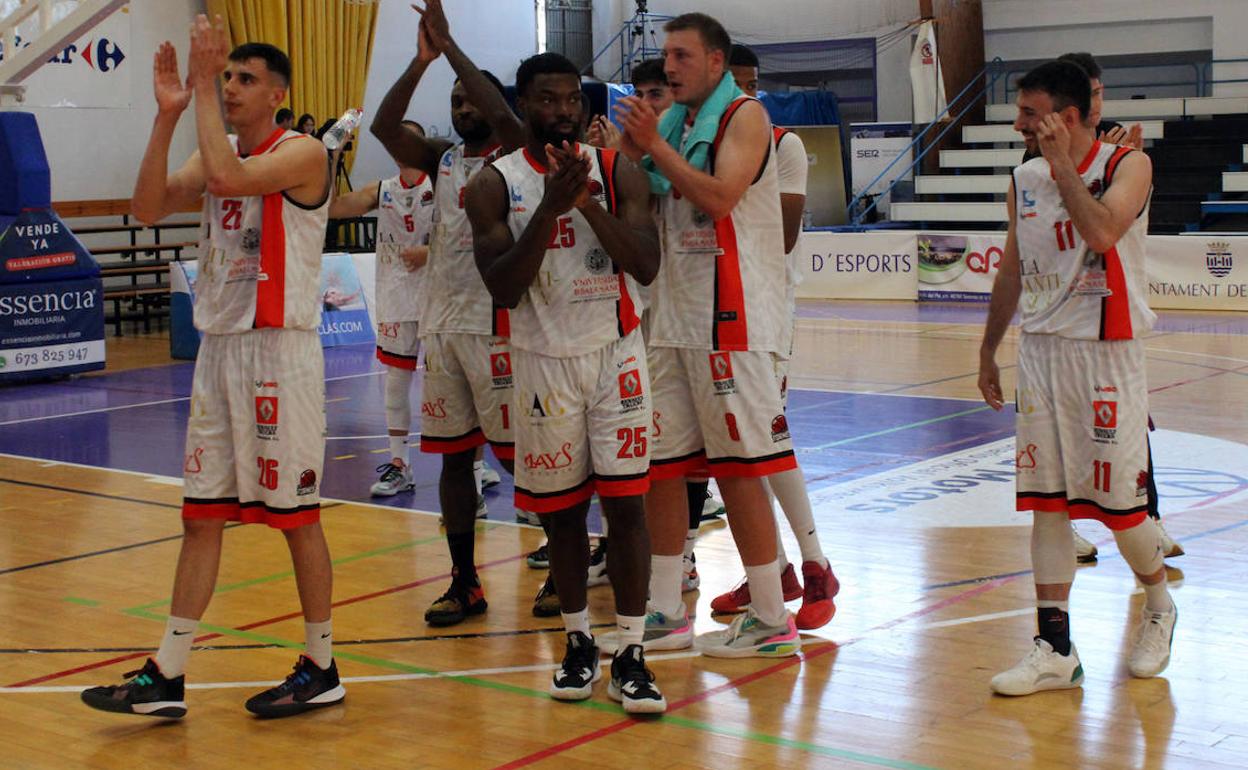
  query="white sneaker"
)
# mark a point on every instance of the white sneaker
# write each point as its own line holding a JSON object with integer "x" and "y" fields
{"x": 395, "y": 478}
{"x": 689, "y": 578}
{"x": 749, "y": 637}
{"x": 597, "y": 575}
{"x": 712, "y": 508}
{"x": 1085, "y": 550}
{"x": 1169, "y": 547}
{"x": 528, "y": 517}
{"x": 1042, "y": 668}
{"x": 489, "y": 477}
{"x": 1153, "y": 640}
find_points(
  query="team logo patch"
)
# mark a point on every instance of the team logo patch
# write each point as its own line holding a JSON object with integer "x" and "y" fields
{"x": 307, "y": 482}
{"x": 434, "y": 409}
{"x": 779, "y": 429}
{"x": 500, "y": 369}
{"x": 597, "y": 261}
{"x": 1219, "y": 260}
{"x": 550, "y": 461}
{"x": 730, "y": 420}
{"x": 266, "y": 417}
{"x": 1028, "y": 209}
{"x": 193, "y": 463}
{"x": 632, "y": 393}
{"x": 721, "y": 374}
{"x": 1025, "y": 458}
{"x": 426, "y": 198}
{"x": 1104, "y": 420}
{"x": 251, "y": 240}
{"x": 1141, "y": 484}
{"x": 701, "y": 219}
{"x": 595, "y": 188}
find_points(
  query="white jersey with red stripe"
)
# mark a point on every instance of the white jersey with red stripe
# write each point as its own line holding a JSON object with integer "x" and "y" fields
{"x": 581, "y": 301}
{"x": 260, "y": 257}
{"x": 404, "y": 217}
{"x": 1068, "y": 289}
{"x": 456, "y": 299}
{"x": 721, "y": 285}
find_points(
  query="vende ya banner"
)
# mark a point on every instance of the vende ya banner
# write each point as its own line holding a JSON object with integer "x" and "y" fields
{"x": 874, "y": 265}
{"x": 92, "y": 71}
{"x": 958, "y": 267}
{"x": 1193, "y": 272}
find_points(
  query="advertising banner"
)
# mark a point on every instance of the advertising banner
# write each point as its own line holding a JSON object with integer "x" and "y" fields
{"x": 92, "y": 71}
{"x": 875, "y": 265}
{"x": 958, "y": 267}
{"x": 344, "y": 315}
{"x": 51, "y": 328}
{"x": 872, "y": 147}
{"x": 1191, "y": 272}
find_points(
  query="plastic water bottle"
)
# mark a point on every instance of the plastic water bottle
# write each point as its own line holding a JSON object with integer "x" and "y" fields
{"x": 341, "y": 131}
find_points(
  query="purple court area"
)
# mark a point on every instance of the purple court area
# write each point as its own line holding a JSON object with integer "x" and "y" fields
{"x": 136, "y": 421}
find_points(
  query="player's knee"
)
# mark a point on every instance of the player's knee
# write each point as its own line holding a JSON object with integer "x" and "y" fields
{"x": 202, "y": 529}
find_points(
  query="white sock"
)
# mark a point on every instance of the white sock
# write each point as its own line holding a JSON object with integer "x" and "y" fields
{"x": 175, "y": 647}
{"x": 398, "y": 449}
{"x": 781, "y": 556}
{"x": 789, "y": 488}
{"x": 577, "y": 621}
{"x": 665, "y": 576}
{"x": 318, "y": 642}
{"x": 766, "y": 597}
{"x": 691, "y": 538}
{"x": 478, "y": 467}
{"x": 632, "y": 629}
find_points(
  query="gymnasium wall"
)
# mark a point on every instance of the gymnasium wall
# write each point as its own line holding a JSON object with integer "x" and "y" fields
{"x": 752, "y": 21}
{"x": 95, "y": 153}
{"x": 1024, "y": 29}
{"x": 496, "y": 34}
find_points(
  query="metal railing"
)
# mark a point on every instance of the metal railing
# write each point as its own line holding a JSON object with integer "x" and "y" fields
{"x": 1207, "y": 79}
{"x": 1197, "y": 82}
{"x": 992, "y": 72}
{"x": 640, "y": 26}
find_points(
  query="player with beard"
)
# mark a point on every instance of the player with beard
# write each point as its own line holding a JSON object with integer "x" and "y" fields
{"x": 563, "y": 236}
{"x": 467, "y": 383}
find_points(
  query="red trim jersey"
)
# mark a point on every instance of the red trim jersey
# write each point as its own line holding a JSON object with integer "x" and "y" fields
{"x": 456, "y": 299}
{"x": 404, "y": 217}
{"x": 260, "y": 258}
{"x": 722, "y": 283}
{"x": 581, "y": 301}
{"x": 1068, "y": 289}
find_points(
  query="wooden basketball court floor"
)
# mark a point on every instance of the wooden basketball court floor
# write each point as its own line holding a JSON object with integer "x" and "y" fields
{"x": 911, "y": 477}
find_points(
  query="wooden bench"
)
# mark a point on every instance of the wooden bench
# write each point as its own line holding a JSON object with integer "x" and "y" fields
{"x": 147, "y": 300}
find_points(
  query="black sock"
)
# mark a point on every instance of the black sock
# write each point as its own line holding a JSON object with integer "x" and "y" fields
{"x": 1054, "y": 628}
{"x": 461, "y": 546}
{"x": 695, "y": 491}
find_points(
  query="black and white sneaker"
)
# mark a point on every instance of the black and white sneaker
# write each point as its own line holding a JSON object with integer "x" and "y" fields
{"x": 598, "y": 565}
{"x": 575, "y": 678}
{"x": 308, "y": 687}
{"x": 145, "y": 692}
{"x": 632, "y": 684}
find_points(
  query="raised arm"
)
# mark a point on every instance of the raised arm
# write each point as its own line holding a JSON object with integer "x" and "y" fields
{"x": 1005, "y": 292}
{"x": 157, "y": 193}
{"x": 481, "y": 92}
{"x": 745, "y": 141}
{"x": 404, "y": 145}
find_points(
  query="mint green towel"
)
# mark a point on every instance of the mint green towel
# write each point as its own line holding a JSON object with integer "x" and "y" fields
{"x": 701, "y": 136}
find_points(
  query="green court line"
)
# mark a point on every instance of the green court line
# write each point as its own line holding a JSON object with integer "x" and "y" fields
{"x": 886, "y": 431}
{"x": 80, "y": 600}
{"x": 813, "y": 748}
{"x": 290, "y": 573}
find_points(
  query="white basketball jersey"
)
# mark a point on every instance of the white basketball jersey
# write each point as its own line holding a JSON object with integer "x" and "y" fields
{"x": 260, "y": 258}
{"x": 1068, "y": 289}
{"x": 456, "y": 299}
{"x": 581, "y": 301}
{"x": 721, "y": 285}
{"x": 404, "y": 216}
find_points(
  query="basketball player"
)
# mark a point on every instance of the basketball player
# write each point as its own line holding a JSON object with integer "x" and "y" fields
{"x": 255, "y": 441}
{"x": 468, "y": 376}
{"x": 789, "y": 487}
{"x": 563, "y": 233}
{"x": 1074, "y": 255}
{"x": 405, "y": 206}
{"x": 717, "y": 321}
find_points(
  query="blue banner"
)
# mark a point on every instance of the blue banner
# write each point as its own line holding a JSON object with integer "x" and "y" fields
{"x": 51, "y": 328}
{"x": 344, "y": 314}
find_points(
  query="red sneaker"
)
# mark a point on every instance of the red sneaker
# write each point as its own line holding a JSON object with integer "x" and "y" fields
{"x": 738, "y": 598}
{"x": 817, "y": 605}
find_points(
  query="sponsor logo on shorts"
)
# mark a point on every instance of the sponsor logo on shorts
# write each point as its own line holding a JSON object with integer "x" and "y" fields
{"x": 730, "y": 420}
{"x": 500, "y": 370}
{"x": 779, "y": 429}
{"x": 193, "y": 463}
{"x": 550, "y": 461}
{"x": 434, "y": 409}
{"x": 307, "y": 483}
{"x": 721, "y": 374}
{"x": 632, "y": 393}
{"x": 266, "y": 417}
{"x": 1104, "y": 421}
{"x": 1025, "y": 458}
{"x": 388, "y": 330}
{"x": 546, "y": 407}
{"x": 1141, "y": 484}
{"x": 656, "y": 429}
{"x": 262, "y": 384}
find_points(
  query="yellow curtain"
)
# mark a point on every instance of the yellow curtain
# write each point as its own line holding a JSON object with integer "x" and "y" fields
{"x": 330, "y": 43}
